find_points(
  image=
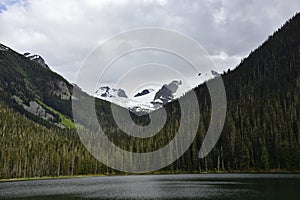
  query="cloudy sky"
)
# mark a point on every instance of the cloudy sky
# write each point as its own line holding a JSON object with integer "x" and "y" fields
{"x": 65, "y": 32}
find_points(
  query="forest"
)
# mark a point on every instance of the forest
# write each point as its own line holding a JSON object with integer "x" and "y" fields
{"x": 261, "y": 131}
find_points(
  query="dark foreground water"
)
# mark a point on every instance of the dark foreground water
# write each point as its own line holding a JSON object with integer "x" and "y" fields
{"x": 204, "y": 186}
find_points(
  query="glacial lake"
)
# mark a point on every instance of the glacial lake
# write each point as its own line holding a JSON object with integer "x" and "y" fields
{"x": 158, "y": 187}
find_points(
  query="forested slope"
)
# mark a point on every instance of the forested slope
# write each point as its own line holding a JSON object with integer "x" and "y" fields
{"x": 263, "y": 116}
{"x": 261, "y": 131}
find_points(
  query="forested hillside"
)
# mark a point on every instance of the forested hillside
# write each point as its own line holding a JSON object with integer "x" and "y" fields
{"x": 262, "y": 124}
{"x": 261, "y": 131}
{"x": 34, "y": 90}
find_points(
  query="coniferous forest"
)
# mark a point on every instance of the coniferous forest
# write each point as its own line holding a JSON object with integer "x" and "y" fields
{"x": 261, "y": 131}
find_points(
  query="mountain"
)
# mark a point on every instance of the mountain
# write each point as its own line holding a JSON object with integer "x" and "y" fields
{"x": 261, "y": 131}
{"x": 143, "y": 102}
{"x": 31, "y": 88}
{"x": 110, "y": 92}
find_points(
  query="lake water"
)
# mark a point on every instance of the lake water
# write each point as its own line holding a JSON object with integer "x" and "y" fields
{"x": 202, "y": 186}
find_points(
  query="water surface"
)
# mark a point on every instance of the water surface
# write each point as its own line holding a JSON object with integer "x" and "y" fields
{"x": 158, "y": 187}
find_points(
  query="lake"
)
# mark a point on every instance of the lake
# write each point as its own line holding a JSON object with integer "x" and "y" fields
{"x": 190, "y": 186}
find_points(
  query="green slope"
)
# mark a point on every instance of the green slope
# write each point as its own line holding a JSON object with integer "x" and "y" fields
{"x": 23, "y": 81}
{"x": 261, "y": 131}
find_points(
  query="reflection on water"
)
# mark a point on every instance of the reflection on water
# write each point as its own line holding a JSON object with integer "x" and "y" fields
{"x": 203, "y": 186}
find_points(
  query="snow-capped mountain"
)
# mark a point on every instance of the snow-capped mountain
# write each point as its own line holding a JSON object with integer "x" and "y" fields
{"x": 144, "y": 101}
{"x": 37, "y": 58}
{"x": 107, "y": 92}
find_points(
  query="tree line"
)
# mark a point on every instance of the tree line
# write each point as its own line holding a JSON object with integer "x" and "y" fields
{"x": 261, "y": 130}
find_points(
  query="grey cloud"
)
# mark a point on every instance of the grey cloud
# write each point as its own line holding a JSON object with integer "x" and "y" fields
{"x": 64, "y": 32}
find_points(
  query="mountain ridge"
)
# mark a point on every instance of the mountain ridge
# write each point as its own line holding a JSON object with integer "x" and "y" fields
{"x": 261, "y": 131}
{"x": 143, "y": 102}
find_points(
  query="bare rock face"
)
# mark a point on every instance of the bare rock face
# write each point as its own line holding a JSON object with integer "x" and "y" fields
{"x": 3, "y": 48}
{"x": 60, "y": 89}
{"x": 108, "y": 92}
{"x": 121, "y": 93}
{"x": 144, "y": 92}
{"x": 165, "y": 94}
{"x": 37, "y": 58}
{"x": 216, "y": 74}
{"x": 38, "y": 110}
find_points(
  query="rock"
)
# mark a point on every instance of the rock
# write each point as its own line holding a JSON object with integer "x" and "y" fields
{"x": 165, "y": 94}
{"x": 38, "y": 110}
{"x": 216, "y": 74}
{"x": 3, "y": 48}
{"x": 37, "y": 58}
{"x": 110, "y": 92}
{"x": 144, "y": 92}
{"x": 60, "y": 89}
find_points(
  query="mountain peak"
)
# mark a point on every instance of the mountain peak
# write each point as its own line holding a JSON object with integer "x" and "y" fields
{"x": 36, "y": 58}
{"x": 3, "y": 47}
{"x": 166, "y": 93}
{"x": 106, "y": 91}
{"x": 144, "y": 101}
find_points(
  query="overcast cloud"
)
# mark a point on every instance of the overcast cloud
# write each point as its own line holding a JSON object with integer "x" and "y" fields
{"x": 64, "y": 32}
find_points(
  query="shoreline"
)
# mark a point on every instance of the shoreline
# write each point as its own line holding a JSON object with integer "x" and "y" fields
{"x": 153, "y": 173}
